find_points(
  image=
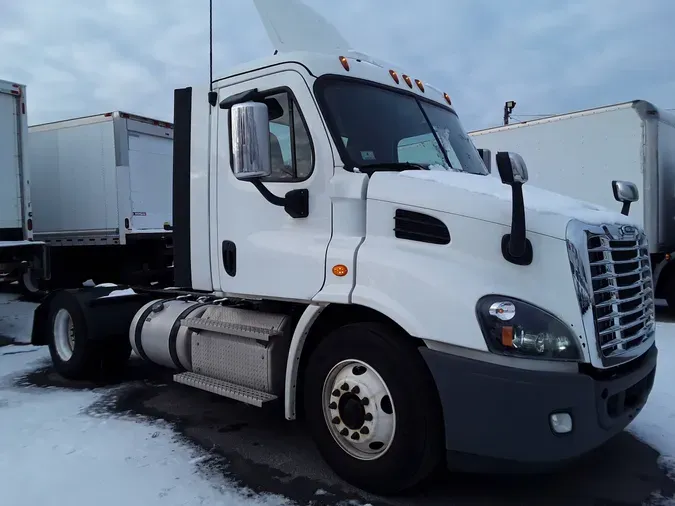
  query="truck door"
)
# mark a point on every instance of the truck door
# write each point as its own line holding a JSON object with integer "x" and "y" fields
{"x": 260, "y": 249}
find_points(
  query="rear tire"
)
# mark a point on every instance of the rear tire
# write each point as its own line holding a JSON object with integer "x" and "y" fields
{"x": 74, "y": 356}
{"x": 394, "y": 439}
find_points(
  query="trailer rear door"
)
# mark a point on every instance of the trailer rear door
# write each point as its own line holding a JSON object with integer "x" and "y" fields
{"x": 10, "y": 172}
{"x": 151, "y": 178}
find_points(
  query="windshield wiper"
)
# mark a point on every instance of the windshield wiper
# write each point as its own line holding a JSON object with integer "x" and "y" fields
{"x": 370, "y": 168}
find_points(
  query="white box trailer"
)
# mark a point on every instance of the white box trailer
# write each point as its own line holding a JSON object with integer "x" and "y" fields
{"x": 580, "y": 153}
{"x": 20, "y": 256}
{"x": 102, "y": 187}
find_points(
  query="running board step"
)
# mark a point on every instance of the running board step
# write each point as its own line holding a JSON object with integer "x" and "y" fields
{"x": 224, "y": 388}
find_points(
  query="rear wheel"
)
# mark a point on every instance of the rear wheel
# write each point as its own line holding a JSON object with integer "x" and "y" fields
{"x": 73, "y": 355}
{"x": 372, "y": 408}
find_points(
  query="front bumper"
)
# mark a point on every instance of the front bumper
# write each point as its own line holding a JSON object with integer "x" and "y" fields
{"x": 497, "y": 413}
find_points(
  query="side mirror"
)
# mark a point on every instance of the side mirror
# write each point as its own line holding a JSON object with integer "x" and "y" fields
{"x": 249, "y": 123}
{"x": 486, "y": 155}
{"x": 626, "y": 193}
{"x": 512, "y": 168}
{"x": 516, "y": 247}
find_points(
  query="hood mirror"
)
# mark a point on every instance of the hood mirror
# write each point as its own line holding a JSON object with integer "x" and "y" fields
{"x": 626, "y": 193}
{"x": 512, "y": 168}
{"x": 516, "y": 247}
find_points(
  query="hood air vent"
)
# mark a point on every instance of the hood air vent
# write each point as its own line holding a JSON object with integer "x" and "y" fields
{"x": 420, "y": 227}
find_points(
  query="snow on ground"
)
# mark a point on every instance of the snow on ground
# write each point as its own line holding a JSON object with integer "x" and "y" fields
{"x": 16, "y": 318}
{"x": 655, "y": 425}
{"x": 52, "y": 453}
{"x": 51, "y": 449}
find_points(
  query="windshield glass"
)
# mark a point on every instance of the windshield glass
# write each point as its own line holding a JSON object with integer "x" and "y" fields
{"x": 379, "y": 126}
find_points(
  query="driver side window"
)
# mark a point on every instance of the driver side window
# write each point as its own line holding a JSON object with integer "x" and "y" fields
{"x": 291, "y": 152}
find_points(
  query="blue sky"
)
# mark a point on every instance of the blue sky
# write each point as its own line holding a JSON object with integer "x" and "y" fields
{"x": 83, "y": 57}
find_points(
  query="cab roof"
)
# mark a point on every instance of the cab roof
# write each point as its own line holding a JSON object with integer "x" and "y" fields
{"x": 303, "y": 37}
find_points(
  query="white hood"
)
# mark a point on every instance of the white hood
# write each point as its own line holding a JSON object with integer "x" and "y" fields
{"x": 486, "y": 198}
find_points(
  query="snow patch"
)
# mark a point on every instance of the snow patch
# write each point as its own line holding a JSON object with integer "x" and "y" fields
{"x": 536, "y": 199}
{"x": 103, "y": 460}
{"x": 655, "y": 425}
{"x": 119, "y": 293}
{"x": 16, "y": 318}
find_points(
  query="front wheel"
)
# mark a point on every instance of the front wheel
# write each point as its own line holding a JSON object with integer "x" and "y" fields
{"x": 373, "y": 409}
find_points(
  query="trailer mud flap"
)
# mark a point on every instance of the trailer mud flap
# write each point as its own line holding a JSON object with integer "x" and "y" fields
{"x": 106, "y": 315}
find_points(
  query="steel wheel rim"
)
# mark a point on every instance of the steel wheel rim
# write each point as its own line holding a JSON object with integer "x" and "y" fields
{"x": 64, "y": 334}
{"x": 358, "y": 409}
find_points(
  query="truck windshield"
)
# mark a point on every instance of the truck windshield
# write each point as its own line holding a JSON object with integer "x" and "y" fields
{"x": 377, "y": 126}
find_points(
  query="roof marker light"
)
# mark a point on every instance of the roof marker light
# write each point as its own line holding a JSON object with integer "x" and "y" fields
{"x": 345, "y": 63}
{"x": 394, "y": 76}
{"x": 447, "y": 98}
{"x": 407, "y": 80}
{"x": 420, "y": 85}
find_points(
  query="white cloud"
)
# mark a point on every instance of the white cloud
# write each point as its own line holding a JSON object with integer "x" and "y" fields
{"x": 80, "y": 57}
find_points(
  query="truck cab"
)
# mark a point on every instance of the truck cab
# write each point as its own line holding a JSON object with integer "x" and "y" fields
{"x": 341, "y": 248}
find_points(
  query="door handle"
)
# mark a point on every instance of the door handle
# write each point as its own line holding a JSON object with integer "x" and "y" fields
{"x": 230, "y": 257}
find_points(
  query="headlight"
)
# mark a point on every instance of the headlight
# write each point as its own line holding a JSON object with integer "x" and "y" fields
{"x": 514, "y": 327}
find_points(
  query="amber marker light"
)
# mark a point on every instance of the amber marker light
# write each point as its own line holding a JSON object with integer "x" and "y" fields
{"x": 340, "y": 270}
{"x": 345, "y": 63}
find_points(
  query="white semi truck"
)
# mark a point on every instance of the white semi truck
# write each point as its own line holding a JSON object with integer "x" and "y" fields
{"x": 414, "y": 312}
{"x": 20, "y": 256}
{"x": 577, "y": 153}
{"x": 102, "y": 198}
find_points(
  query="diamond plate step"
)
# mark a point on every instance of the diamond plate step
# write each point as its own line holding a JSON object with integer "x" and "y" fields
{"x": 234, "y": 329}
{"x": 224, "y": 388}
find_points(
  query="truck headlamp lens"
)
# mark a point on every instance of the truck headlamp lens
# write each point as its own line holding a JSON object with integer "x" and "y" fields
{"x": 517, "y": 328}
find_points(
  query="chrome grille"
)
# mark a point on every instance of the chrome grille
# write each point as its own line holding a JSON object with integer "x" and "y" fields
{"x": 622, "y": 292}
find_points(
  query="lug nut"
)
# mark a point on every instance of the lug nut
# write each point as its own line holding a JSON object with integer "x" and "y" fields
{"x": 356, "y": 390}
{"x": 365, "y": 401}
{"x": 364, "y": 430}
{"x": 332, "y": 405}
{"x": 336, "y": 393}
{"x": 336, "y": 420}
{"x": 355, "y": 436}
{"x": 344, "y": 432}
{"x": 345, "y": 387}
{"x": 368, "y": 417}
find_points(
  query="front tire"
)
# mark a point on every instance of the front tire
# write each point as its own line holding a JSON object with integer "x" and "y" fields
{"x": 373, "y": 409}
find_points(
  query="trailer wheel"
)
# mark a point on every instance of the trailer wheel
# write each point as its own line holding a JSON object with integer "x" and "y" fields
{"x": 29, "y": 285}
{"x": 73, "y": 355}
{"x": 373, "y": 409}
